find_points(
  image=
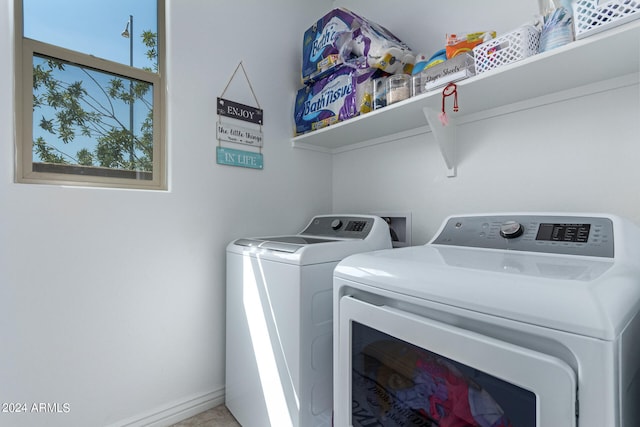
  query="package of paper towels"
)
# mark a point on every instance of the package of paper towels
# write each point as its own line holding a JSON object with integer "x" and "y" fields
{"x": 342, "y": 37}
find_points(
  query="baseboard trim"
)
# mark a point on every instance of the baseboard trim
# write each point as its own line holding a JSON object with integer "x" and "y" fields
{"x": 175, "y": 412}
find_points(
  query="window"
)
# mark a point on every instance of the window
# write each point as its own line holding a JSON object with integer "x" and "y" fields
{"x": 89, "y": 93}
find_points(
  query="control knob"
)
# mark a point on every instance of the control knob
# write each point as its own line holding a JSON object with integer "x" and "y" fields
{"x": 511, "y": 229}
{"x": 336, "y": 224}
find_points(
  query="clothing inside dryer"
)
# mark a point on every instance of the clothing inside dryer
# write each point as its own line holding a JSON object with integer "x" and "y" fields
{"x": 398, "y": 383}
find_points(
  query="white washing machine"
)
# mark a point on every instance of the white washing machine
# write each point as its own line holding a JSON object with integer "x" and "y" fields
{"x": 501, "y": 320}
{"x": 279, "y": 319}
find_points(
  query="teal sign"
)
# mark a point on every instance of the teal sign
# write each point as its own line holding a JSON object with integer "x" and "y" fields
{"x": 243, "y": 159}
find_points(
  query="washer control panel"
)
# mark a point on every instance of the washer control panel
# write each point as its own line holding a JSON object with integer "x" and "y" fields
{"x": 340, "y": 226}
{"x": 571, "y": 235}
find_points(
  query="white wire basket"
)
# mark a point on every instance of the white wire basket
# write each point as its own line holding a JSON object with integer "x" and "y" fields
{"x": 594, "y": 16}
{"x": 507, "y": 48}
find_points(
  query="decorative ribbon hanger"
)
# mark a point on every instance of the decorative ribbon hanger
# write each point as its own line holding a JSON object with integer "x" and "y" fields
{"x": 450, "y": 89}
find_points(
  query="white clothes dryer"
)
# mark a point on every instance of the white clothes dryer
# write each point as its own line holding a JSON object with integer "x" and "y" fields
{"x": 527, "y": 320}
{"x": 279, "y": 319}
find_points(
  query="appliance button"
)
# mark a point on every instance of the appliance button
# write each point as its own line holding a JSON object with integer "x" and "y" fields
{"x": 336, "y": 223}
{"x": 511, "y": 229}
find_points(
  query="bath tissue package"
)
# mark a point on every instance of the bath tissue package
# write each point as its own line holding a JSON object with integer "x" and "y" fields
{"x": 342, "y": 37}
{"x": 344, "y": 94}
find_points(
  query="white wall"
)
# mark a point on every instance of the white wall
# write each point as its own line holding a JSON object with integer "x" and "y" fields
{"x": 575, "y": 155}
{"x": 113, "y": 301}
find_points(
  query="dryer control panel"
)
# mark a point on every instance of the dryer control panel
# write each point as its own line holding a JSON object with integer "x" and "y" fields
{"x": 571, "y": 235}
{"x": 356, "y": 227}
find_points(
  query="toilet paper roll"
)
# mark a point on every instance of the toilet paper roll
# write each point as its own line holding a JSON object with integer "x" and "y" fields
{"x": 369, "y": 47}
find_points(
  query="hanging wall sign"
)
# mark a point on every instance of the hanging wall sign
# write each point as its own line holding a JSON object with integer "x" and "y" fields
{"x": 245, "y": 159}
{"x": 239, "y": 111}
{"x": 230, "y": 130}
{"x": 238, "y": 134}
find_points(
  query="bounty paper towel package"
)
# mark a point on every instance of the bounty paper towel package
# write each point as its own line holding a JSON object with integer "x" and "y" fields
{"x": 342, "y": 37}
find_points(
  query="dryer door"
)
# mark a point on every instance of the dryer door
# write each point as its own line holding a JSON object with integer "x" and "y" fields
{"x": 397, "y": 368}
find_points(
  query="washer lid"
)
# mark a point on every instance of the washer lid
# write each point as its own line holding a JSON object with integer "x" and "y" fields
{"x": 327, "y": 238}
{"x": 299, "y": 239}
{"x": 290, "y": 244}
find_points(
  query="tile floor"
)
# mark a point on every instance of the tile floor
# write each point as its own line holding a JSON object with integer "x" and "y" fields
{"x": 216, "y": 417}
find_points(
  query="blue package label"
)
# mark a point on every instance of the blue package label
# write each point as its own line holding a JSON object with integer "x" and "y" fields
{"x": 346, "y": 93}
{"x": 320, "y": 51}
{"x": 328, "y": 101}
{"x": 325, "y": 40}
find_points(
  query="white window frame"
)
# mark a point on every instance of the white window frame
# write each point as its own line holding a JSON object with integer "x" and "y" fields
{"x": 25, "y": 49}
